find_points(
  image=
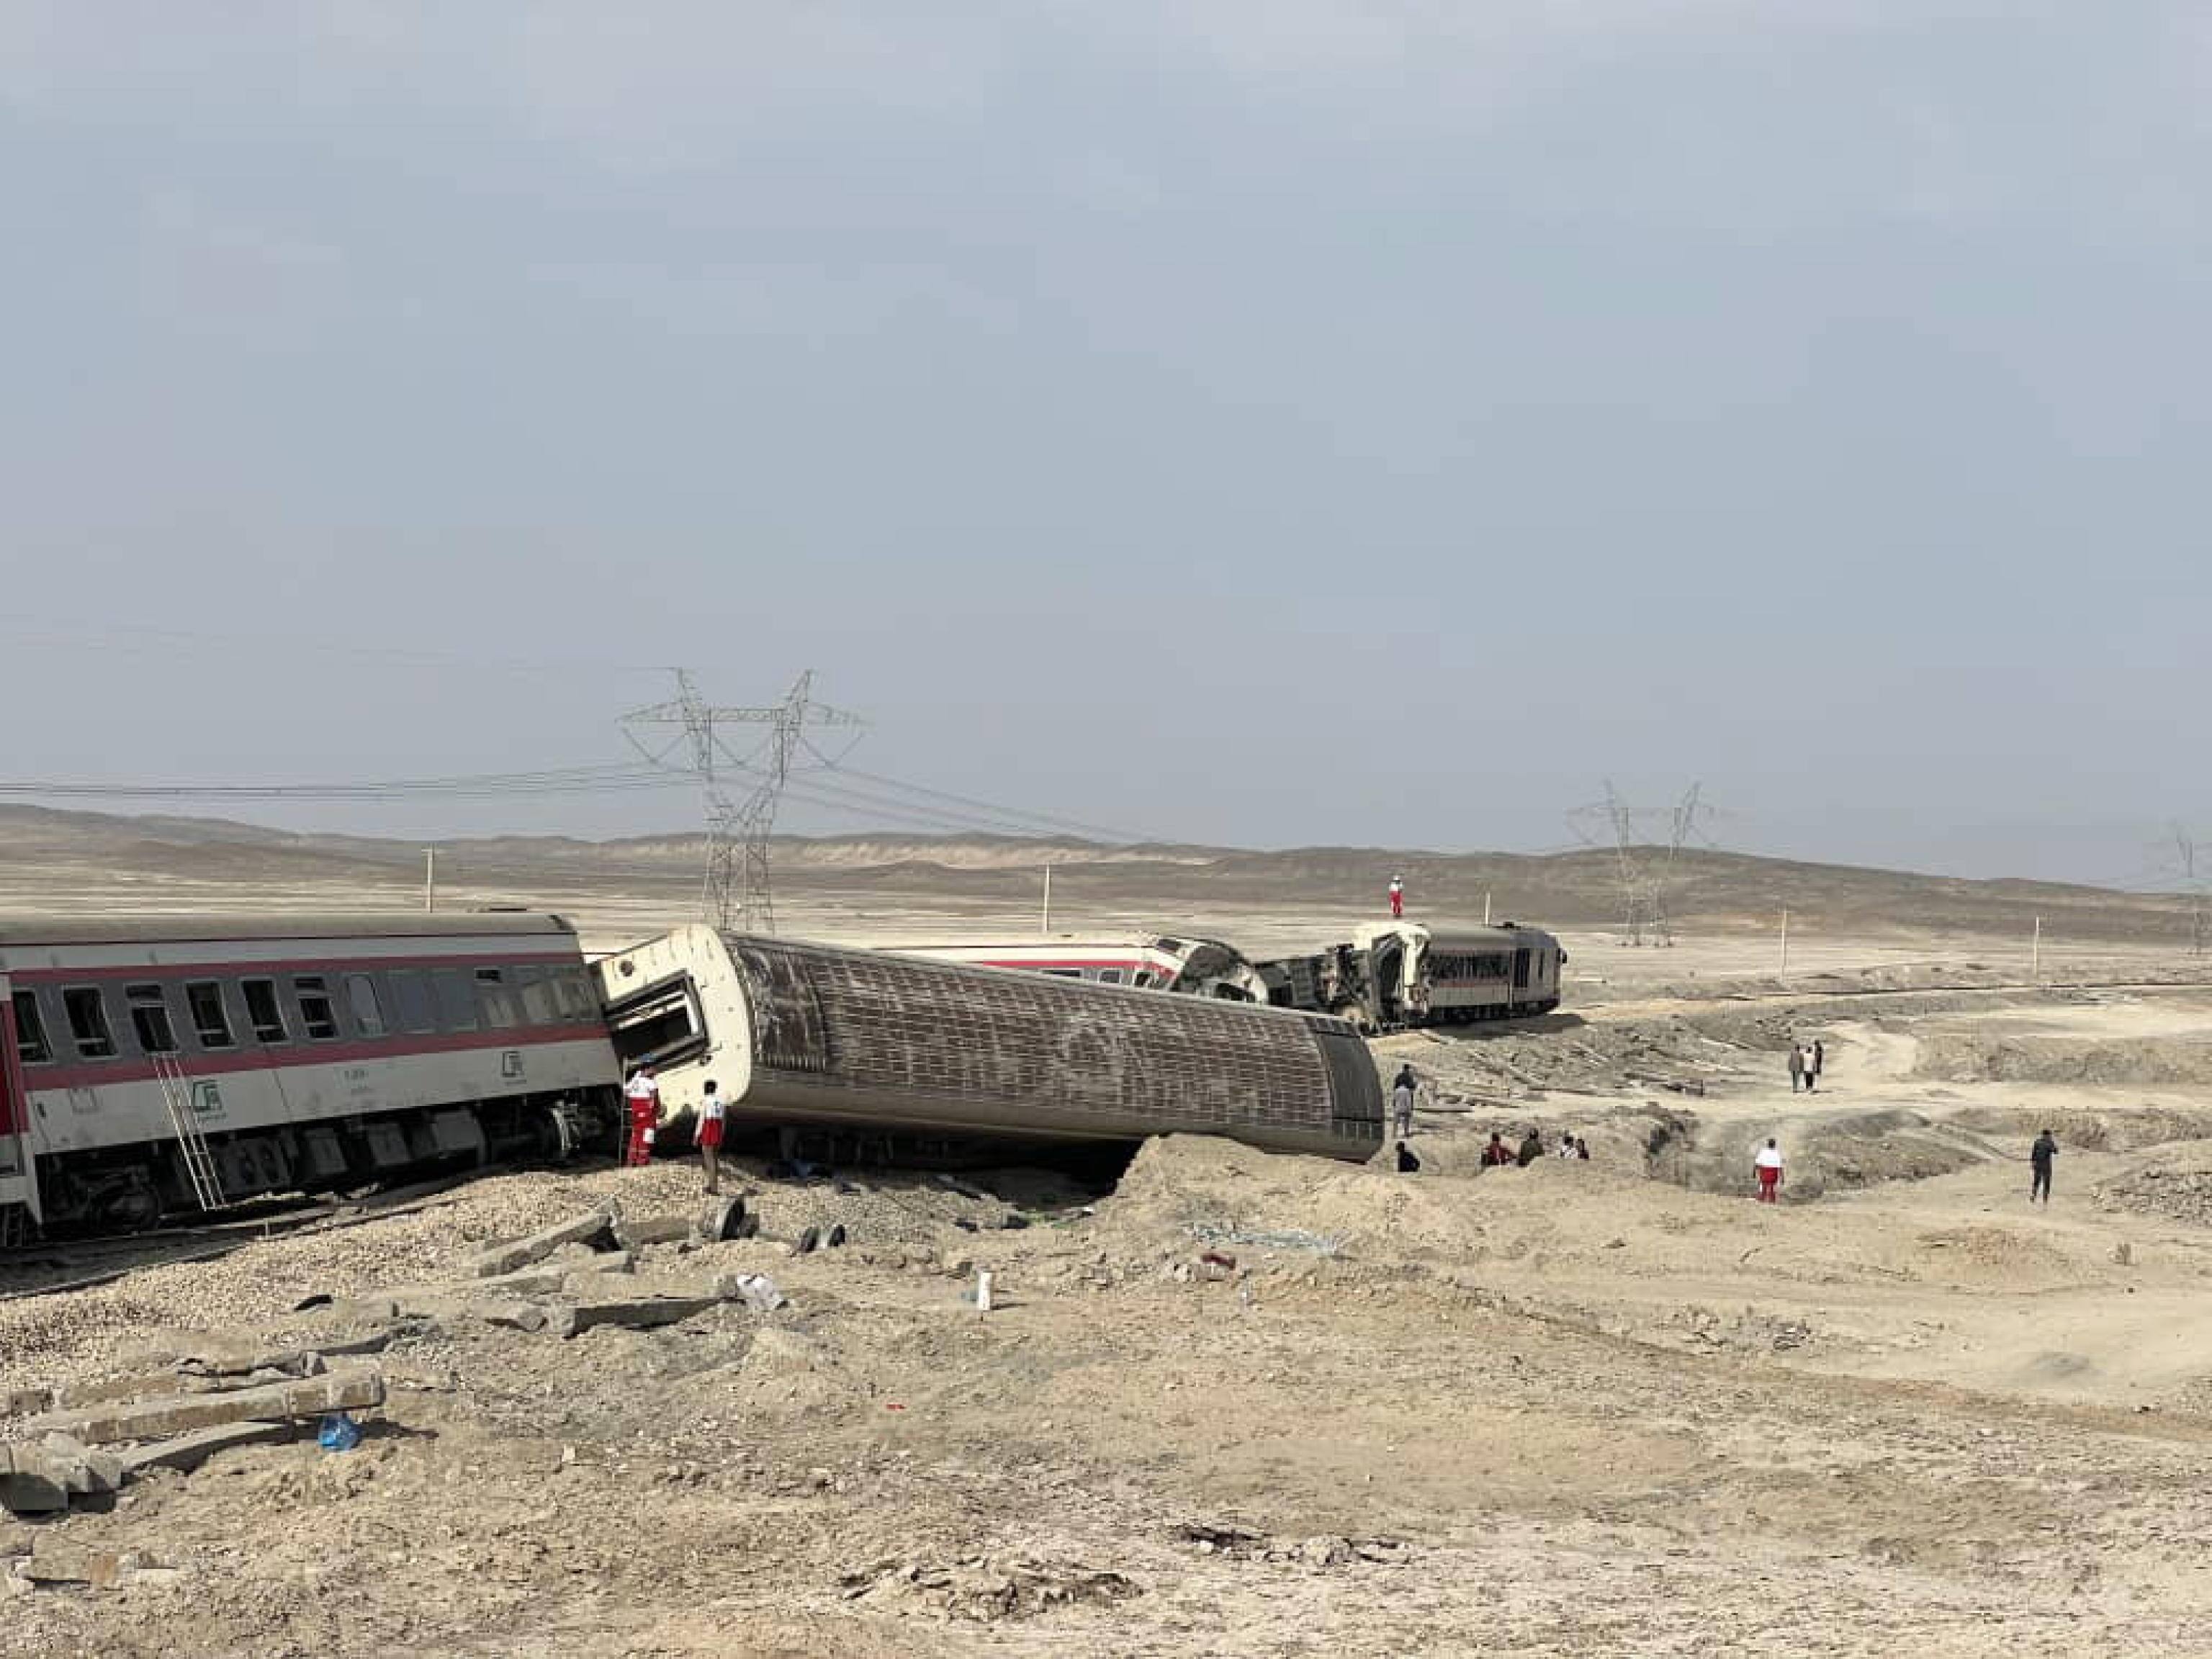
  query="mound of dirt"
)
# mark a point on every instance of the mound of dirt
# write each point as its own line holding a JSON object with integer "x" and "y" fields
{"x": 1842, "y": 1152}
{"x": 2119, "y": 1130}
{"x": 1967, "y": 1057}
{"x": 2176, "y": 1192}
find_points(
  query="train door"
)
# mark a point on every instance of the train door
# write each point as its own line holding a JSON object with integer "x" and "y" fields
{"x": 19, "y": 1192}
{"x": 1521, "y": 974}
{"x": 1385, "y": 975}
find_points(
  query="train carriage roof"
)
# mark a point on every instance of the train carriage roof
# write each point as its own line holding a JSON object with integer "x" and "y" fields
{"x": 21, "y": 930}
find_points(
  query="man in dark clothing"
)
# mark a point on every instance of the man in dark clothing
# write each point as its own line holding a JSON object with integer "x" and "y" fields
{"x": 2039, "y": 1157}
{"x": 1532, "y": 1148}
{"x": 1407, "y": 1162}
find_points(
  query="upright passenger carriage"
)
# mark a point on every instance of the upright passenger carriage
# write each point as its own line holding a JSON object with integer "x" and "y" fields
{"x": 153, "y": 1066}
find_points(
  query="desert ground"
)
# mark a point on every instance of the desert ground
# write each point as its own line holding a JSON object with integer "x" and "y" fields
{"x": 1585, "y": 1407}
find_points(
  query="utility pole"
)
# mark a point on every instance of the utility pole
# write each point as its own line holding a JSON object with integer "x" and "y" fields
{"x": 1785, "y": 945}
{"x": 429, "y": 880}
{"x": 2035, "y": 952}
{"x": 735, "y": 897}
{"x": 1045, "y": 926}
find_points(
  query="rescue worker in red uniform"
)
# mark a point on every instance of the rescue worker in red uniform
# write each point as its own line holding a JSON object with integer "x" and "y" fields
{"x": 642, "y": 1095}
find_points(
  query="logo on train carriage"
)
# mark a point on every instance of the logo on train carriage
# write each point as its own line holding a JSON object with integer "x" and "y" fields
{"x": 207, "y": 1099}
{"x": 510, "y": 1064}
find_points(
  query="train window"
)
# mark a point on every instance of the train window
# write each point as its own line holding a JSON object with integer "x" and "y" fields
{"x": 318, "y": 1019}
{"x": 263, "y": 1012}
{"x": 1109, "y": 975}
{"x": 410, "y": 992}
{"x": 367, "y": 1009}
{"x": 149, "y": 1018}
{"x": 1143, "y": 980}
{"x": 1063, "y": 973}
{"x": 499, "y": 1008}
{"x": 87, "y": 1021}
{"x": 456, "y": 1002}
{"x": 537, "y": 993}
{"x": 210, "y": 1019}
{"x": 578, "y": 1001}
{"x": 30, "y": 1031}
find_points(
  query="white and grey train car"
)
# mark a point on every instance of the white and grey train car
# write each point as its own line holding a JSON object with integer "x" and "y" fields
{"x": 1396, "y": 974}
{"x": 883, "y": 1045}
{"x": 281, "y": 1056}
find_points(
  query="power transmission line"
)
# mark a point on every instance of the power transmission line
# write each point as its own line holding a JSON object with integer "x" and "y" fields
{"x": 736, "y": 893}
{"x": 1644, "y": 871}
{"x": 566, "y": 780}
{"x": 2200, "y": 923}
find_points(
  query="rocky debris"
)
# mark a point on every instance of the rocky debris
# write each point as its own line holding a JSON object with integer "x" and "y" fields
{"x": 636, "y": 1234}
{"x": 2161, "y": 1189}
{"x": 984, "y": 1590}
{"x": 57, "y": 1562}
{"x": 186, "y": 1452}
{"x": 1238, "y": 1542}
{"x": 42, "y": 1479}
{"x": 594, "y": 1224}
{"x": 569, "y": 1319}
{"x": 353, "y": 1389}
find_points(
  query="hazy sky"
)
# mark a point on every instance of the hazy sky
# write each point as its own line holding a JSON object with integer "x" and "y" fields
{"x": 1266, "y": 421}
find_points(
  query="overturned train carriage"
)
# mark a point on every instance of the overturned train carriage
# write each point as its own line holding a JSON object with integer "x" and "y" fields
{"x": 803, "y": 1033}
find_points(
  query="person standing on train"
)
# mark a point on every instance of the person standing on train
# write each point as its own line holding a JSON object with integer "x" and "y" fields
{"x": 710, "y": 1137}
{"x": 1397, "y": 896}
{"x": 642, "y": 1095}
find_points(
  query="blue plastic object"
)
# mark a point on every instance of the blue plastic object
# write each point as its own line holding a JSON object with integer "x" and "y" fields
{"x": 339, "y": 1433}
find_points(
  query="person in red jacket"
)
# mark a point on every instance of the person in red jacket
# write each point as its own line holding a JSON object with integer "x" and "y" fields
{"x": 641, "y": 1093}
{"x": 1397, "y": 896}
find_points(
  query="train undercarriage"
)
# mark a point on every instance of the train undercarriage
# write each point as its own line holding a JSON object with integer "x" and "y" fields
{"x": 142, "y": 1185}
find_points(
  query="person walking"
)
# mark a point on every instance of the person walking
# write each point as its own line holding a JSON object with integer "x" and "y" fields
{"x": 642, "y": 1095}
{"x": 1767, "y": 1166}
{"x": 710, "y": 1137}
{"x": 1813, "y": 1062}
{"x": 1796, "y": 1067}
{"x": 1397, "y": 896}
{"x": 2039, "y": 1157}
{"x": 1401, "y": 1105}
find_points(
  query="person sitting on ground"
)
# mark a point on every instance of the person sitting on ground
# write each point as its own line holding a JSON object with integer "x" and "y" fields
{"x": 1566, "y": 1143}
{"x": 1498, "y": 1154}
{"x": 1582, "y": 1148}
{"x": 1532, "y": 1148}
{"x": 1407, "y": 1163}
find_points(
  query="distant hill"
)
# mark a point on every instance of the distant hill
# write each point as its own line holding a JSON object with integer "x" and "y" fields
{"x": 1572, "y": 890}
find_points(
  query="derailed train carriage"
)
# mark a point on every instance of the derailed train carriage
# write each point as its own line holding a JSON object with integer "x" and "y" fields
{"x": 812, "y": 1035}
{"x": 152, "y": 1067}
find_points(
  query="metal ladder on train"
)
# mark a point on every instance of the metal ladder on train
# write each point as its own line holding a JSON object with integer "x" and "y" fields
{"x": 192, "y": 1144}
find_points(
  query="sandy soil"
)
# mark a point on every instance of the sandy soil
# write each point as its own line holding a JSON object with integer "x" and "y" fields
{"x": 1596, "y": 1408}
